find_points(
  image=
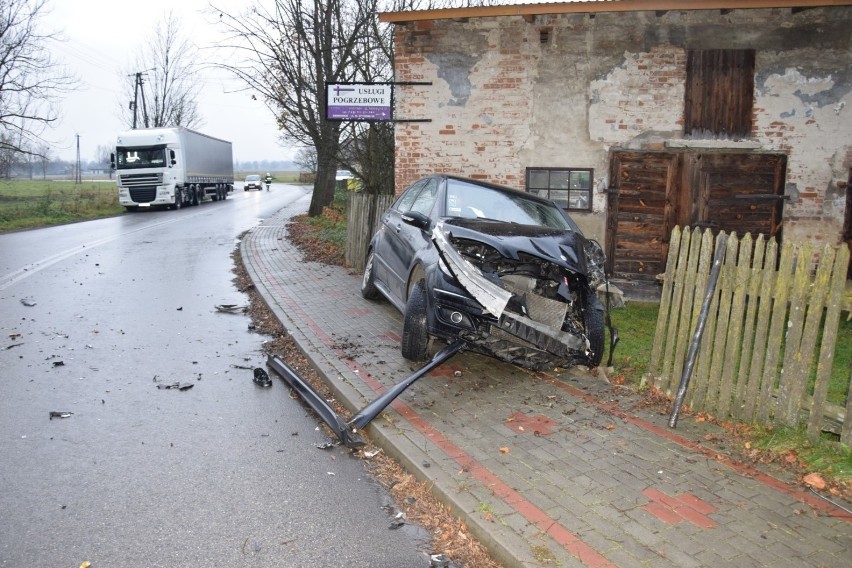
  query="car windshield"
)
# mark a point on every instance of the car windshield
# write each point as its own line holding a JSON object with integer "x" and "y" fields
{"x": 252, "y": 178}
{"x": 473, "y": 201}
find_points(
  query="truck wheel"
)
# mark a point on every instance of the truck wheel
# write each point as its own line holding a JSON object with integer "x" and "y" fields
{"x": 178, "y": 203}
{"x": 195, "y": 198}
{"x": 415, "y": 338}
{"x": 224, "y": 192}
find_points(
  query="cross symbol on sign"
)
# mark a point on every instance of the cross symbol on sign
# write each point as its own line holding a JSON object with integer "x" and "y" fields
{"x": 338, "y": 89}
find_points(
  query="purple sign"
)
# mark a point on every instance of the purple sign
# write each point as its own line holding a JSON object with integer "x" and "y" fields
{"x": 359, "y": 101}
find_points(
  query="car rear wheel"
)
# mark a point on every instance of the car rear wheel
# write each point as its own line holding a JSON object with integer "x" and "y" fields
{"x": 415, "y": 338}
{"x": 593, "y": 318}
{"x": 368, "y": 285}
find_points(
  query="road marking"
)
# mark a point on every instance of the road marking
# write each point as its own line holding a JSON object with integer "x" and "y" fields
{"x": 39, "y": 265}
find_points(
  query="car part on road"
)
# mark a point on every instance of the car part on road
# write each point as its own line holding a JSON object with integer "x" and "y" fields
{"x": 261, "y": 378}
{"x": 176, "y": 386}
{"x": 60, "y": 414}
{"x": 347, "y": 432}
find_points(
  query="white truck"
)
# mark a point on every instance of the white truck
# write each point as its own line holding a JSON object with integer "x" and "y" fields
{"x": 171, "y": 167}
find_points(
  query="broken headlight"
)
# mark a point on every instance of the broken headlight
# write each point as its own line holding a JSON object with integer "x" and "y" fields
{"x": 595, "y": 263}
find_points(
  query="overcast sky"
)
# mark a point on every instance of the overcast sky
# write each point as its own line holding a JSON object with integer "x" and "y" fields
{"x": 102, "y": 37}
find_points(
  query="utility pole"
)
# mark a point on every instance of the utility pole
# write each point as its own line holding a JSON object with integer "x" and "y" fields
{"x": 77, "y": 176}
{"x": 134, "y": 104}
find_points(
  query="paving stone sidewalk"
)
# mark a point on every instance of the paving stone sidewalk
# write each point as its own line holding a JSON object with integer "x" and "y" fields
{"x": 547, "y": 469}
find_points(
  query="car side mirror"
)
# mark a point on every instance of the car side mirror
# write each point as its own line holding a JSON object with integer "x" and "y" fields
{"x": 416, "y": 219}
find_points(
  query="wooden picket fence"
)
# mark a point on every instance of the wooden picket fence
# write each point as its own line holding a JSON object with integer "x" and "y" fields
{"x": 364, "y": 216}
{"x": 760, "y": 360}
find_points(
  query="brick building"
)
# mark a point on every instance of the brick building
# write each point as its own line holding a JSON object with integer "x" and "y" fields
{"x": 639, "y": 115}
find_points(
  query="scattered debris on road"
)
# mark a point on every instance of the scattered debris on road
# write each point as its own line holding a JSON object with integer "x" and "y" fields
{"x": 58, "y": 363}
{"x": 176, "y": 386}
{"x": 261, "y": 378}
{"x": 28, "y": 302}
{"x": 60, "y": 414}
{"x": 231, "y": 309}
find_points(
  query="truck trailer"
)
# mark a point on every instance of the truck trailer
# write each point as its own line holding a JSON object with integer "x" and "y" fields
{"x": 171, "y": 167}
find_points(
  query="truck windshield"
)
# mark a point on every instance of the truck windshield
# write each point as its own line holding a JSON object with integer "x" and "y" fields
{"x": 142, "y": 157}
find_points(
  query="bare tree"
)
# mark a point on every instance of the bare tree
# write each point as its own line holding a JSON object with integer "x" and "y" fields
{"x": 288, "y": 53}
{"x": 168, "y": 73}
{"x": 44, "y": 156}
{"x": 31, "y": 81}
{"x": 306, "y": 158}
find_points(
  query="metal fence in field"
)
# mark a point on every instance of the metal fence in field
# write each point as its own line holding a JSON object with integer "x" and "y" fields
{"x": 768, "y": 344}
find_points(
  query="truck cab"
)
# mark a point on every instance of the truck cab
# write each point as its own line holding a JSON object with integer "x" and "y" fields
{"x": 171, "y": 167}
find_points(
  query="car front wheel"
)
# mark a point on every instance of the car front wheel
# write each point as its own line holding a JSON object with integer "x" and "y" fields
{"x": 415, "y": 338}
{"x": 593, "y": 318}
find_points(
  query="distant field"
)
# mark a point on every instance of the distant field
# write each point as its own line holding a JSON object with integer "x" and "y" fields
{"x": 29, "y": 204}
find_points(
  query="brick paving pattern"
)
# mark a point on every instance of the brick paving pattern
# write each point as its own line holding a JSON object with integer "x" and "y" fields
{"x": 547, "y": 469}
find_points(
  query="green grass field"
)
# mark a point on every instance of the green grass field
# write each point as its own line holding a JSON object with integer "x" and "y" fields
{"x": 28, "y": 204}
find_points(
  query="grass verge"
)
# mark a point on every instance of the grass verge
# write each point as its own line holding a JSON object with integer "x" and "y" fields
{"x": 29, "y": 204}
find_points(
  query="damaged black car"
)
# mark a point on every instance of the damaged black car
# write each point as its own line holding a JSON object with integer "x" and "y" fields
{"x": 508, "y": 272}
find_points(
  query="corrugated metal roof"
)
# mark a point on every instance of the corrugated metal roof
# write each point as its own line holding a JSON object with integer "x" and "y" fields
{"x": 513, "y": 8}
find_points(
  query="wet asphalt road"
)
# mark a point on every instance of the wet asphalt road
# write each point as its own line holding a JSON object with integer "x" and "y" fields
{"x": 94, "y": 317}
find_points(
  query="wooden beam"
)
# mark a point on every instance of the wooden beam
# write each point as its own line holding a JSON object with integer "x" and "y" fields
{"x": 599, "y": 6}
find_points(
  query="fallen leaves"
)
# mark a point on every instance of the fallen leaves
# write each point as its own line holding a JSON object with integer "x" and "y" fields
{"x": 814, "y": 480}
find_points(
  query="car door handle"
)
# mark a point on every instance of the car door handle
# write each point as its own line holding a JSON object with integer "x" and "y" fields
{"x": 398, "y": 227}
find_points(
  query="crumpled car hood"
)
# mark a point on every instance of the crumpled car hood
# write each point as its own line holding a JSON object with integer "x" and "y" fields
{"x": 511, "y": 239}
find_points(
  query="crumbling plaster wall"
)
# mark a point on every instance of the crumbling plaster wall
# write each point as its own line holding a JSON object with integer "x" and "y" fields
{"x": 564, "y": 90}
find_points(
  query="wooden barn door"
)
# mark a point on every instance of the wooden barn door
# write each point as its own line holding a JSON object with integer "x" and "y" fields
{"x": 737, "y": 192}
{"x": 641, "y": 214}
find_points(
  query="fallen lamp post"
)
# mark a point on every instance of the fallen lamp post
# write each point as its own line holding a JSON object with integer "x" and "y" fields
{"x": 347, "y": 432}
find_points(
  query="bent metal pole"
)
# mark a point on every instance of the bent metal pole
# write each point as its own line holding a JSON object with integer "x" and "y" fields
{"x": 699, "y": 329}
{"x": 347, "y": 432}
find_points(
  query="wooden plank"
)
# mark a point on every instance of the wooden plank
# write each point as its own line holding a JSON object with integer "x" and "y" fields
{"x": 665, "y": 313}
{"x": 676, "y": 323}
{"x": 775, "y": 336}
{"x": 768, "y": 277}
{"x": 836, "y": 287}
{"x": 789, "y": 378}
{"x": 749, "y": 325}
{"x": 724, "y": 292}
{"x": 702, "y": 367}
{"x": 805, "y": 351}
{"x": 688, "y": 303}
{"x": 740, "y": 272}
